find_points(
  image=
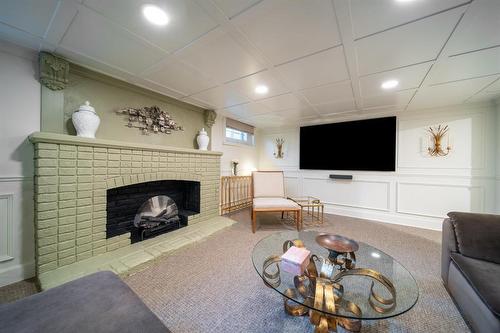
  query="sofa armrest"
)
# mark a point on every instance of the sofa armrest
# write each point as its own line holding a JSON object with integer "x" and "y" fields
{"x": 448, "y": 246}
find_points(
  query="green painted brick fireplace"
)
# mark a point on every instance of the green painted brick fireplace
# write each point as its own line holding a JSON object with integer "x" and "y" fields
{"x": 72, "y": 175}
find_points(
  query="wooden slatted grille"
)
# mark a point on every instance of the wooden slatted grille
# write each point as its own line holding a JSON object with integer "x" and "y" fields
{"x": 236, "y": 193}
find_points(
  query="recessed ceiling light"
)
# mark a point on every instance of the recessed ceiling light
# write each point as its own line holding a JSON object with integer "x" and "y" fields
{"x": 375, "y": 255}
{"x": 405, "y": 0}
{"x": 155, "y": 15}
{"x": 389, "y": 84}
{"x": 261, "y": 89}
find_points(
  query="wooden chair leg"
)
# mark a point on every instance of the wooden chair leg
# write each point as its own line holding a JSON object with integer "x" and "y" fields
{"x": 254, "y": 221}
{"x": 282, "y": 213}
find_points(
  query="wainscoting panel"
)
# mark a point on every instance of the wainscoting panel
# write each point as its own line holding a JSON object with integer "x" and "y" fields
{"x": 6, "y": 227}
{"x": 365, "y": 194}
{"x": 436, "y": 200}
{"x": 292, "y": 186}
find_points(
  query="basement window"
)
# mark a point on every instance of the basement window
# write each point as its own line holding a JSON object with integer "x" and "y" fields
{"x": 239, "y": 133}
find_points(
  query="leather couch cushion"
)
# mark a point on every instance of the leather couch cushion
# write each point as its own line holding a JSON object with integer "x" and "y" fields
{"x": 483, "y": 276}
{"x": 478, "y": 235}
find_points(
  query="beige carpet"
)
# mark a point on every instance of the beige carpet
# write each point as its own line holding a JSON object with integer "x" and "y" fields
{"x": 213, "y": 287}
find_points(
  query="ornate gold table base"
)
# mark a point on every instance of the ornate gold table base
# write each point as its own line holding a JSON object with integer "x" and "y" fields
{"x": 324, "y": 291}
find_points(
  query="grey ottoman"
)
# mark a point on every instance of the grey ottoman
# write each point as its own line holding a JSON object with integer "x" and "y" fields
{"x": 100, "y": 302}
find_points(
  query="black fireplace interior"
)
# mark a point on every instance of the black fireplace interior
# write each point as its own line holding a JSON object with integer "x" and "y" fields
{"x": 126, "y": 203}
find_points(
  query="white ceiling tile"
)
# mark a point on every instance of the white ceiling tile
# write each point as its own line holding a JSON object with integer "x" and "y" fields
{"x": 220, "y": 97}
{"x": 318, "y": 69}
{"x": 180, "y": 77}
{"x": 478, "y": 29}
{"x": 336, "y": 107}
{"x": 234, "y": 7}
{"x": 298, "y": 113}
{"x": 466, "y": 66}
{"x": 408, "y": 78}
{"x": 333, "y": 92}
{"x": 449, "y": 93}
{"x": 248, "y": 83}
{"x": 396, "y": 98}
{"x": 66, "y": 11}
{"x": 406, "y": 45}
{"x": 247, "y": 110}
{"x": 484, "y": 96}
{"x": 372, "y": 16}
{"x": 266, "y": 120}
{"x": 32, "y": 16}
{"x": 219, "y": 57}
{"x": 94, "y": 36}
{"x": 283, "y": 102}
{"x": 19, "y": 37}
{"x": 285, "y": 30}
{"x": 187, "y": 21}
{"x": 495, "y": 87}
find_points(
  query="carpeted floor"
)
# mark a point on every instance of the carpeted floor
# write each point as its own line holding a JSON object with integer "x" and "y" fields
{"x": 213, "y": 287}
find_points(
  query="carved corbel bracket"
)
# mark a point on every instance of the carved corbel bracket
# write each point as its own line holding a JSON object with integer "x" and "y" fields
{"x": 210, "y": 116}
{"x": 54, "y": 71}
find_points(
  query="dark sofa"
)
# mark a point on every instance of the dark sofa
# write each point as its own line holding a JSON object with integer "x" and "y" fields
{"x": 97, "y": 303}
{"x": 470, "y": 267}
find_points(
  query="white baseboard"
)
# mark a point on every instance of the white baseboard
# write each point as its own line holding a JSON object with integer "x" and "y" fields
{"x": 387, "y": 217}
{"x": 17, "y": 273}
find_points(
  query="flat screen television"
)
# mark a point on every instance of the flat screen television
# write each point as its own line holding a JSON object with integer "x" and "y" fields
{"x": 363, "y": 145}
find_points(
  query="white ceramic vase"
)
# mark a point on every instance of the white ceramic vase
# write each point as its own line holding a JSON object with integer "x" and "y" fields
{"x": 202, "y": 140}
{"x": 86, "y": 121}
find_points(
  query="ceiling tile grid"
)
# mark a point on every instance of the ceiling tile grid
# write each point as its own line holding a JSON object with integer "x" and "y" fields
{"x": 316, "y": 58}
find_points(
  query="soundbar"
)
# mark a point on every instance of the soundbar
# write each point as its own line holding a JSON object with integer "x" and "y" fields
{"x": 341, "y": 177}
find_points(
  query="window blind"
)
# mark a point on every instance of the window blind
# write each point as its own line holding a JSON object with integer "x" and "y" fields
{"x": 238, "y": 125}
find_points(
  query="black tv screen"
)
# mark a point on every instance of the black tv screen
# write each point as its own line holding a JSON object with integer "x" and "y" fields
{"x": 363, "y": 145}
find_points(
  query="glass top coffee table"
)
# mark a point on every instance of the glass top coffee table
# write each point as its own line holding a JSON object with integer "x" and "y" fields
{"x": 344, "y": 283}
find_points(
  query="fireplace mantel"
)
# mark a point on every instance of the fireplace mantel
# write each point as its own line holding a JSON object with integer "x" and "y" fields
{"x": 72, "y": 177}
{"x": 64, "y": 139}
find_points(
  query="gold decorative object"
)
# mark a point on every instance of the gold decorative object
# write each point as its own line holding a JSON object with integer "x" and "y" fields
{"x": 150, "y": 119}
{"x": 324, "y": 290}
{"x": 279, "y": 153}
{"x": 312, "y": 211}
{"x": 437, "y": 135}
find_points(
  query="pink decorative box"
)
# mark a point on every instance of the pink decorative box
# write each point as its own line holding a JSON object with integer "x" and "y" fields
{"x": 295, "y": 260}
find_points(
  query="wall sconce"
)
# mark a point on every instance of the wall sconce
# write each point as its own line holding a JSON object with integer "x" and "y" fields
{"x": 279, "y": 153}
{"x": 437, "y": 135}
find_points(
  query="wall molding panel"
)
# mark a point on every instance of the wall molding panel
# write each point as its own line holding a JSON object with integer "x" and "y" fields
{"x": 477, "y": 201}
{"x": 423, "y": 189}
{"x": 6, "y": 227}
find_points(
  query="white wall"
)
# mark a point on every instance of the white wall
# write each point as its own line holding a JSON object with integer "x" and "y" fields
{"x": 423, "y": 189}
{"x": 247, "y": 156}
{"x": 20, "y": 116}
{"x": 498, "y": 155}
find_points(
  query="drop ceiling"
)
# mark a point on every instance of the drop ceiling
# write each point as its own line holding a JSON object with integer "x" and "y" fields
{"x": 319, "y": 58}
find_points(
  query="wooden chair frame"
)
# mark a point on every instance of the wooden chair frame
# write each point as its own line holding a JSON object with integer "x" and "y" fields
{"x": 297, "y": 211}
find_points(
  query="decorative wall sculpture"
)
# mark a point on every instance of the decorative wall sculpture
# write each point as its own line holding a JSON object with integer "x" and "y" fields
{"x": 437, "y": 135}
{"x": 53, "y": 71}
{"x": 279, "y": 152}
{"x": 150, "y": 119}
{"x": 210, "y": 116}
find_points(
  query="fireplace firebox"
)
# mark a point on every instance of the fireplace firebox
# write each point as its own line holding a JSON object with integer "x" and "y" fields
{"x": 151, "y": 208}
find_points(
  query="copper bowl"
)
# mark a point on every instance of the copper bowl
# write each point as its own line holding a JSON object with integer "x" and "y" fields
{"x": 337, "y": 243}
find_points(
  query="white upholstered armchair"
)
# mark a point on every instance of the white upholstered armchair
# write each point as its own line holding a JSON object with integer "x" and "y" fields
{"x": 269, "y": 196}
